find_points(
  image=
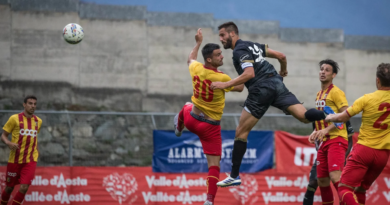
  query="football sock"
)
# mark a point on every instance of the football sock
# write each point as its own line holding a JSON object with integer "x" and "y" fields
{"x": 309, "y": 195}
{"x": 19, "y": 197}
{"x": 361, "y": 197}
{"x": 239, "y": 149}
{"x": 4, "y": 197}
{"x": 326, "y": 195}
{"x": 314, "y": 115}
{"x": 347, "y": 197}
{"x": 212, "y": 180}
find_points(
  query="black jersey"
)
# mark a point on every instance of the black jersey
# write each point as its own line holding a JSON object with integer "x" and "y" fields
{"x": 250, "y": 54}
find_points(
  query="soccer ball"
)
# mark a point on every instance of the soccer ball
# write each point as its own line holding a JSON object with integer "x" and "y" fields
{"x": 73, "y": 33}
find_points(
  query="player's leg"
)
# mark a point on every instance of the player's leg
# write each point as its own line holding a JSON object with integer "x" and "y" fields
{"x": 336, "y": 159}
{"x": 27, "y": 173}
{"x": 359, "y": 160}
{"x": 323, "y": 174}
{"x": 212, "y": 177}
{"x": 312, "y": 186}
{"x": 210, "y": 136}
{"x": 380, "y": 162}
{"x": 6, "y": 194}
{"x": 289, "y": 103}
{"x": 178, "y": 121}
{"x": 12, "y": 179}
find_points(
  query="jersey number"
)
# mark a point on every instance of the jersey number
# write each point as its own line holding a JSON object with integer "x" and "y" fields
{"x": 378, "y": 122}
{"x": 207, "y": 92}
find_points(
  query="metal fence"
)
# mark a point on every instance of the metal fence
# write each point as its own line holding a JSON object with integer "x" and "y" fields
{"x": 69, "y": 138}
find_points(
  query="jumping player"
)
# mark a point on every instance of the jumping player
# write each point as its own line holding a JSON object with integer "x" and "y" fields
{"x": 370, "y": 154}
{"x": 265, "y": 87}
{"x": 23, "y": 157}
{"x": 202, "y": 116}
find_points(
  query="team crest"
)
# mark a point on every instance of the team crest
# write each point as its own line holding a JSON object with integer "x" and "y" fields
{"x": 8, "y": 179}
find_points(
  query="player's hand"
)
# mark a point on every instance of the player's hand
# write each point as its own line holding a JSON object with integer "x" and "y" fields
{"x": 329, "y": 117}
{"x": 199, "y": 36}
{"x": 317, "y": 135}
{"x": 311, "y": 140}
{"x": 12, "y": 146}
{"x": 218, "y": 85}
{"x": 283, "y": 73}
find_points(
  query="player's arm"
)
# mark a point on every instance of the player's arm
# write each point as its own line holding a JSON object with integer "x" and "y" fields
{"x": 238, "y": 88}
{"x": 339, "y": 117}
{"x": 246, "y": 62}
{"x": 194, "y": 53}
{"x": 11, "y": 145}
{"x": 281, "y": 58}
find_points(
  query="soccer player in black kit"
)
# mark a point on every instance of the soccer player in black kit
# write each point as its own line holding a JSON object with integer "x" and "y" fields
{"x": 265, "y": 88}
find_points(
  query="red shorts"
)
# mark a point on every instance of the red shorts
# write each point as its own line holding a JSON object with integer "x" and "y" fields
{"x": 20, "y": 173}
{"x": 331, "y": 156}
{"x": 364, "y": 165}
{"x": 209, "y": 135}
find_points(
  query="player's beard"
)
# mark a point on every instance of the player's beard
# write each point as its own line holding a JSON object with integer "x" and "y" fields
{"x": 228, "y": 43}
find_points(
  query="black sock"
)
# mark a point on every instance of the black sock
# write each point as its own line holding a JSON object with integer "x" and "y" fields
{"x": 239, "y": 150}
{"x": 309, "y": 195}
{"x": 314, "y": 115}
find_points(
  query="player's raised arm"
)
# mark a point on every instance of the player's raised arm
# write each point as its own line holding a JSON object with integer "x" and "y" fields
{"x": 194, "y": 53}
{"x": 281, "y": 58}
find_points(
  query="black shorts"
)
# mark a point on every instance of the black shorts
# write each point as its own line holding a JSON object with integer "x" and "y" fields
{"x": 267, "y": 92}
{"x": 313, "y": 172}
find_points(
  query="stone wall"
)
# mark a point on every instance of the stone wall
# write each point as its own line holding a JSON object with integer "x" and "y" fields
{"x": 135, "y": 60}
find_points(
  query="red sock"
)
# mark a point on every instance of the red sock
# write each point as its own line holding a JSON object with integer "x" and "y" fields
{"x": 326, "y": 195}
{"x": 347, "y": 197}
{"x": 336, "y": 185}
{"x": 4, "y": 198}
{"x": 19, "y": 197}
{"x": 361, "y": 197}
{"x": 212, "y": 180}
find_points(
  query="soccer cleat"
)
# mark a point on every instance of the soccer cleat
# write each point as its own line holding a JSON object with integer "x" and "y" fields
{"x": 175, "y": 123}
{"x": 328, "y": 111}
{"x": 207, "y": 203}
{"x": 229, "y": 181}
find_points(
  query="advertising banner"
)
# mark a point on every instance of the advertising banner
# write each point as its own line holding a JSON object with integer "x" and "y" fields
{"x": 185, "y": 154}
{"x": 141, "y": 186}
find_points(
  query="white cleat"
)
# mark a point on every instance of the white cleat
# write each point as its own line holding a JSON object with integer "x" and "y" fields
{"x": 175, "y": 123}
{"x": 229, "y": 181}
{"x": 207, "y": 203}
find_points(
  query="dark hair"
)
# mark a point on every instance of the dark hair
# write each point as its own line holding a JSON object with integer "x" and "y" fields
{"x": 208, "y": 49}
{"x": 383, "y": 73}
{"x": 229, "y": 26}
{"x": 29, "y": 97}
{"x": 331, "y": 62}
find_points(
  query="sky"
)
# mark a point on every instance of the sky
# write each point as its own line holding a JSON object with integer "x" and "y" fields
{"x": 355, "y": 17}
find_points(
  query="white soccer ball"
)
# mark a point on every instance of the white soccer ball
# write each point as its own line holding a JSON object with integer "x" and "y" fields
{"x": 73, "y": 33}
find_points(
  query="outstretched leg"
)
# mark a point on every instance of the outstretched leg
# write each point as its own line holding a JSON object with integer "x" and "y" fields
{"x": 306, "y": 116}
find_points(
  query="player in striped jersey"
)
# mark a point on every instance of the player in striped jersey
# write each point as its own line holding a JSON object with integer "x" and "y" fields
{"x": 331, "y": 151}
{"x": 370, "y": 154}
{"x": 23, "y": 157}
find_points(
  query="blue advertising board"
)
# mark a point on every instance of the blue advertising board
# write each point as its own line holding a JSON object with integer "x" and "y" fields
{"x": 185, "y": 154}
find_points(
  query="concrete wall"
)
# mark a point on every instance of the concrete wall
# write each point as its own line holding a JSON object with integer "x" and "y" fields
{"x": 135, "y": 60}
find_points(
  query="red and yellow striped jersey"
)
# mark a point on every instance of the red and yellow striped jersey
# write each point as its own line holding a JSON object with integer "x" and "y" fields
{"x": 335, "y": 99}
{"x": 210, "y": 102}
{"x": 24, "y": 132}
{"x": 374, "y": 131}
